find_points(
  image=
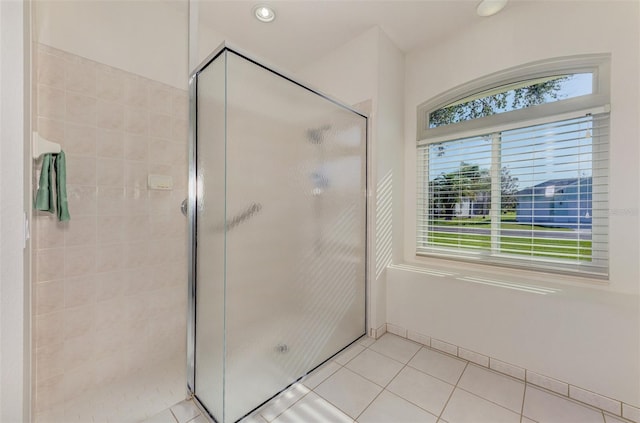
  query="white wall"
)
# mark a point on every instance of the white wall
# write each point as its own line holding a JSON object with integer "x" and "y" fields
{"x": 349, "y": 73}
{"x": 371, "y": 67}
{"x": 14, "y": 297}
{"x": 147, "y": 38}
{"x": 588, "y": 334}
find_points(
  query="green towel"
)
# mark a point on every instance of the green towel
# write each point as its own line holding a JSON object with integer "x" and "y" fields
{"x": 44, "y": 197}
{"x": 45, "y": 194}
{"x": 61, "y": 187}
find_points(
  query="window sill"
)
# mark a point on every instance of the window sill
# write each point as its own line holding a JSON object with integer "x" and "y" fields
{"x": 503, "y": 275}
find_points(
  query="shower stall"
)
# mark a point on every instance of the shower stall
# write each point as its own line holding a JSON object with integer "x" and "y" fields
{"x": 277, "y": 211}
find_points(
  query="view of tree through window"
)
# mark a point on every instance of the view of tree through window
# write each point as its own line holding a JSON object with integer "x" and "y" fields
{"x": 539, "y": 202}
{"x": 513, "y": 97}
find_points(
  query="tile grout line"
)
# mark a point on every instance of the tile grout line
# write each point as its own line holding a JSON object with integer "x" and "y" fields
{"x": 446, "y": 404}
{"x": 574, "y": 401}
{"x": 174, "y": 415}
{"x": 384, "y": 388}
{"x": 524, "y": 396}
{"x": 567, "y": 396}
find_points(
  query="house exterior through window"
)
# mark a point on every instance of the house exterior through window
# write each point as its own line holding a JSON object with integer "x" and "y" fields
{"x": 513, "y": 169}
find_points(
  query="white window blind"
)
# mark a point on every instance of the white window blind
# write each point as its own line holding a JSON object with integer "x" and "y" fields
{"x": 533, "y": 196}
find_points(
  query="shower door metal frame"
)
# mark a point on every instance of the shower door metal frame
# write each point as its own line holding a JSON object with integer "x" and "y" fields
{"x": 191, "y": 206}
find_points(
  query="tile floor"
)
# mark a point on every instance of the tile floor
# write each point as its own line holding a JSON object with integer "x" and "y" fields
{"x": 394, "y": 380}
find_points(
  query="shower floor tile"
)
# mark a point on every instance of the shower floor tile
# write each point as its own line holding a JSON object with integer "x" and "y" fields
{"x": 475, "y": 394}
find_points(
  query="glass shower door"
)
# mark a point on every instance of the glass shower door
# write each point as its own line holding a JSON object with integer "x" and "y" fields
{"x": 288, "y": 257}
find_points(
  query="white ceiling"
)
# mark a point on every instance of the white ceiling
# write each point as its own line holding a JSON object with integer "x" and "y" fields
{"x": 307, "y": 29}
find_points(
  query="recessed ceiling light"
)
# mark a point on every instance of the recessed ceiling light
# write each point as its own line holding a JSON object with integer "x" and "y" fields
{"x": 264, "y": 13}
{"x": 490, "y": 7}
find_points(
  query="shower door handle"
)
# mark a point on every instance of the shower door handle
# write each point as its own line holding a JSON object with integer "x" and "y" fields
{"x": 184, "y": 206}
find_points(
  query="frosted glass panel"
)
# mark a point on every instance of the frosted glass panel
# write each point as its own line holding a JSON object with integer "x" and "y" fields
{"x": 295, "y": 280}
{"x": 210, "y": 234}
{"x": 281, "y": 231}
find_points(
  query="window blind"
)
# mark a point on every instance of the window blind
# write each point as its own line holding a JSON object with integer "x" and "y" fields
{"x": 533, "y": 197}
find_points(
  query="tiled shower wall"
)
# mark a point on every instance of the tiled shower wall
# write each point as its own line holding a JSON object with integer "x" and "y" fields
{"x": 110, "y": 285}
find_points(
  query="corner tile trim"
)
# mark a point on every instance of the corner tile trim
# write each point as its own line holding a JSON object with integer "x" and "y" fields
{"x": 590, "y": 398}
{"x": 377, "y": 333}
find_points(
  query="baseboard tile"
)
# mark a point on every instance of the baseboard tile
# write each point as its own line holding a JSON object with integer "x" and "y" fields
{"x": 593, "y": 399}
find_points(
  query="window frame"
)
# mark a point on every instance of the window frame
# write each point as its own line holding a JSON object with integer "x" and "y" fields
{"x": 597, "y": 64}
{"x": 594, "y": 104}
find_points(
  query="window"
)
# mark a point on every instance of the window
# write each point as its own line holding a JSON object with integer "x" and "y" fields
{"x": 517, "y": 173}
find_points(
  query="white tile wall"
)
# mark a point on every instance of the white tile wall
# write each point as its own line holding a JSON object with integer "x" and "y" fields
{"x": 109, "y": 283}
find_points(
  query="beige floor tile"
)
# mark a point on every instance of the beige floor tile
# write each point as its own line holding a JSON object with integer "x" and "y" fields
{"x": 395, "y": 347}
{"x": 163, "y": 417}
{"x": 366, "y": 341}
{"x": 437, "y": 364}
{"x": 185, "y": 411}
{"x": 254, "y": 418}
{"x": 348, "y": 391}
{"x": 375, "y": 367}
{"x": 421, "y": 389}
{"x": 313, "y": 409}
{"x": 283, "y": 401}
{"x": 345, "y": 356}
{"x": 319, "y": 375}
{"x": 548, "y": 408}
{"x": 388, "y": 407}
{"x": 464, "y": 407}
{"x": 494, "y": 387}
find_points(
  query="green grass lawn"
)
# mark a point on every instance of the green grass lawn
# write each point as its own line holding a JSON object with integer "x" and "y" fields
{"x": 540, "y": 247}
{"x": 508, "y": 221}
